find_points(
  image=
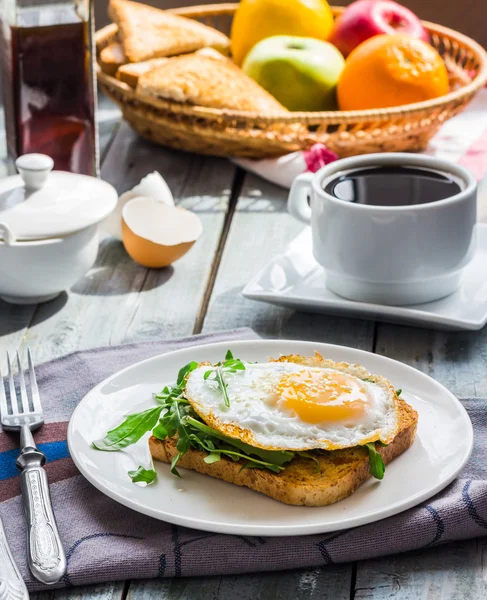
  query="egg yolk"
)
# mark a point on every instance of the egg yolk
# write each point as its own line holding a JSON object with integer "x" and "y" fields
{"x": 317, "y": 397}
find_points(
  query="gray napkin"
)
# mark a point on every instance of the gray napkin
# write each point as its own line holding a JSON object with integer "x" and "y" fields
{"x": 105, "y": 541}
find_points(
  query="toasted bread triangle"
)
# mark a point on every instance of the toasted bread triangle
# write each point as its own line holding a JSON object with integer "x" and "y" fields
{"x": 147, "y": 32}
{"x": 205, "y": 81}
{"x": 131, "y": 72}
{"x": 111, "y": 58}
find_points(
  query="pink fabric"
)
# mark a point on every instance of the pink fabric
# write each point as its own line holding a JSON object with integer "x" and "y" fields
{"x": 475, "y": 158}
{"x": 318, "y": 156}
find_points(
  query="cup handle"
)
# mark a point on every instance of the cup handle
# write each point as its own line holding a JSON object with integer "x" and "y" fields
{"x": 6, "y": 234}
{"x": 297, "y": 203}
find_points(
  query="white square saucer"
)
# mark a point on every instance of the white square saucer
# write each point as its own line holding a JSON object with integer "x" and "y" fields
{"x": 294, "y": 279}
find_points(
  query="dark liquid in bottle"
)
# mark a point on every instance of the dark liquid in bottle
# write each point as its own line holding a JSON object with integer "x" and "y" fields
{"x": 393, "y": 186}
{"x": 48, "y": 90}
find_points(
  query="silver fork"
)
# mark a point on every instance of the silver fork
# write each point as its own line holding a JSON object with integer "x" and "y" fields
{"x": 47, "y": 560}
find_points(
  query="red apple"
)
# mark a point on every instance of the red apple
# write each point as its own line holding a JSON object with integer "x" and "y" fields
{"x": 366, "y": 18}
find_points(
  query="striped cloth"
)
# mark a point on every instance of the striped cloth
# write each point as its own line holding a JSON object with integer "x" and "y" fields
{"x": 105, "y": 541}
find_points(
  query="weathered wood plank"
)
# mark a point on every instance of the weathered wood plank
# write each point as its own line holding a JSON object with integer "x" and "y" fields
{"x": 14, "y": 321}
{"x": 456, "y": 359}
{"x": 317, "y": 584}
{"x": 260, "y": 229}
{"x": 111, "y": 591}
{"x": 449, "y": 572}
{"x": 311, "y": 584}
{"x": 119, "y": 301}
{"x": 108, "y": 116}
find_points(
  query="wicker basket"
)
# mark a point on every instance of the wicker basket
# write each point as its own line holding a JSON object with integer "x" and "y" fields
{"x": 245, "y": 134}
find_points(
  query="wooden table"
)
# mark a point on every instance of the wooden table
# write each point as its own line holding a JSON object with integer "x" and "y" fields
{"x": 245, "y": 224}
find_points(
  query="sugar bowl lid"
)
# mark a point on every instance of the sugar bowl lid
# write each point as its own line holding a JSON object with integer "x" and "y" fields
{"x": 40, "y": 203}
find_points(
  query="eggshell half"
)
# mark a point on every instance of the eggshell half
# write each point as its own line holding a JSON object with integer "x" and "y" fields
{"x": 155, "y": 234}
{"x": 152, "y": 186}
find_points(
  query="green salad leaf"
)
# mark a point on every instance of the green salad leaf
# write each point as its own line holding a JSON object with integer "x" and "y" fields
{"x": 130, "y": 431}
{"x": 212, "y": 457}
{"x": 398, "y": 391}
{"x": 184, "y": 372}
{"x": 216, "y": 374}
{"x": 377, "y": 466}
{"x": 143, "y": 475}
{"x": 278, "y": 458}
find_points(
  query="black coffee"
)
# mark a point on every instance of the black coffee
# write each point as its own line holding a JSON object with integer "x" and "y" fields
{"x": 393, "y": 186}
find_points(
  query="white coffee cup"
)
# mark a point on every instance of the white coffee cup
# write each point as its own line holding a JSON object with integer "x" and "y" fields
{"x": 395, "y": 255}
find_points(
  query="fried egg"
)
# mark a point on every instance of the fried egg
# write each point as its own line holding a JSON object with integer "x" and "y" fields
{"x": 302, "y": 405}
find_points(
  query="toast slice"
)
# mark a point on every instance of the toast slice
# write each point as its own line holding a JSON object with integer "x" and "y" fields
{"x": 207, "y": 81}
{"x": 147, "y": 32}
{"x": 111, "y": 58}
{"x": 131, "y": 72}
{"x": 340, "y": 472}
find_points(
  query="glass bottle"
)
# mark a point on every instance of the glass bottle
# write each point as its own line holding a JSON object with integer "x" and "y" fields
{"x": 49, "y": 90}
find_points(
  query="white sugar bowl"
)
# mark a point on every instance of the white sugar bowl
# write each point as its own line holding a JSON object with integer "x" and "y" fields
{"x": 48, "y": 229}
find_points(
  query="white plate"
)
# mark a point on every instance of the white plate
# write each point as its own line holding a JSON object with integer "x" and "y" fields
{"x": 296, "y": 280}
{"x": 443, "y": 445}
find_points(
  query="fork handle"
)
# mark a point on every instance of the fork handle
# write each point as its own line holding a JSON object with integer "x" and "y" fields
{"x": 12, "y": 586}
{"x": 47, "y": 560}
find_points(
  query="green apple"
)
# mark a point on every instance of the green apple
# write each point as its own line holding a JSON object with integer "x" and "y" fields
{"x": 300, "y": 72}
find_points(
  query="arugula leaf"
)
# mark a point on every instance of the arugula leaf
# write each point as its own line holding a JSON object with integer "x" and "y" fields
{"x": 174, "y": 462}
{"x": 311, "y": 457}
{"x": 211, "y": 458}
{"x": 130, "y": 431}
{"x": 164, "y": 429}
{"x": 236, "y": 456}
{"x": 398, "y": 391}
{"x": 143, "y": 475}
{"x": 217, "y": 376}
{"x": 185, "y": 371}
{"x": 377, "y": 466}
{"x": 169, "y": 394}
{"x": 276, "y": 457}
{"x": 231, "y": 365}
{"x": 183, "y": 444}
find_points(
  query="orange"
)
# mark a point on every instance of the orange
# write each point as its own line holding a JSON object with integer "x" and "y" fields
{"x": 256, "y": 20}
{"x": 391, "y": 70}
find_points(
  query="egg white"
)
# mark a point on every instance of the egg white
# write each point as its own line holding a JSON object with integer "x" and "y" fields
{"x": 256, "y": 420}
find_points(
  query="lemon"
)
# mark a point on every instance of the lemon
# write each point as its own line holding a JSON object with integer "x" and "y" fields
{"x": 256, "y": 20}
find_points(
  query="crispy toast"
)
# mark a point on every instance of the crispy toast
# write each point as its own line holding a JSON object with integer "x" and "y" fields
{"x": 111, "y": 58}
{"x": 206, "y": 81}
{"x": 341, "y": 471}
{"x": 131, "y": 72}
{"x": 147, "y": 32}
